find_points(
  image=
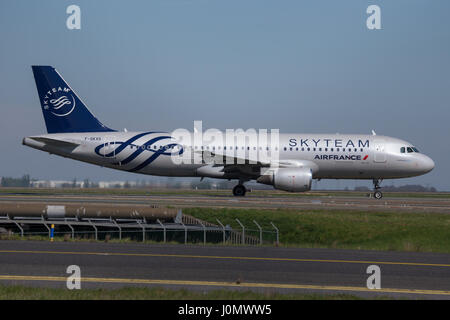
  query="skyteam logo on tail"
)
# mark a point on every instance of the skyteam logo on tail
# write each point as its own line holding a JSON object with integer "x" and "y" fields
{"x": 59, "y": 101}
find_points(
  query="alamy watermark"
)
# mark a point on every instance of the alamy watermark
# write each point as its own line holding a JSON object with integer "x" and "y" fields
{"x": 374, "y": 280}
{"x": 73, "y": 21}
{"x": 373, "y": 22}
{"x": 232, "y": 146}
{"x": 74, "y": 280}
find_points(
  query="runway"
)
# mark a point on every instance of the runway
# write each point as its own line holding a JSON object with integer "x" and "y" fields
{"x": 313, "y": 201}
{"x": 266, "y": 269}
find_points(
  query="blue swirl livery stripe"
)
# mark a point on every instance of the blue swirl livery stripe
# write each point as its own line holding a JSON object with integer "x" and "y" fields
{"x": 122, "y": 146}
{"x": 140, "y": 149}
{"x": 156, "y": 155}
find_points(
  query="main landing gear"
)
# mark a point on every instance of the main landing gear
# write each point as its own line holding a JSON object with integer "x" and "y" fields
{"x": 377, "y": 194}
{"x": 239, "y": 190}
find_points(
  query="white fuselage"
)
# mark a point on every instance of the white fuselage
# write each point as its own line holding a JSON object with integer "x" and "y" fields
{"x": 330, "y": 156}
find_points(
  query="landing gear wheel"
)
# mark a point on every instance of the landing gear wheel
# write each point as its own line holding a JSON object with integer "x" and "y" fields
{"x": 378, "y": 195}
{"x": 239, "y": 190}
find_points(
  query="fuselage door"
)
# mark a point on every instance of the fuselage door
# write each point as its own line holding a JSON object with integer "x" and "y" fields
{"x": 380, "y": 154}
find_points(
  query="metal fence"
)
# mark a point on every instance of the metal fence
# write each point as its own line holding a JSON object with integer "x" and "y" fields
{"x": 184, "y": 229}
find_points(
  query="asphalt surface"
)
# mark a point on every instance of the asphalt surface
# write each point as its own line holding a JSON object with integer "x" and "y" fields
{"x": 438, "y": 205}
{"x": 411, "y": 275}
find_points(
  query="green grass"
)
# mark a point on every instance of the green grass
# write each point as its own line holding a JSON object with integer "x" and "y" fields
{"x": 155, "y": 293}
{"x": 428, "y": 232}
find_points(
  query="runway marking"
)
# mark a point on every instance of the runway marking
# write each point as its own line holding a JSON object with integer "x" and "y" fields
{"x": 225, "y": 284}
{"x": 225, "y": 257}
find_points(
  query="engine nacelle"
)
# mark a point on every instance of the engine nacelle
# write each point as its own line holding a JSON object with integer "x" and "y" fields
{"x": 288, "y": 179}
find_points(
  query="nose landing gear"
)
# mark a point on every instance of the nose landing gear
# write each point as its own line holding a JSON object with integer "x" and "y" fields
{"x": 377, "y": 194}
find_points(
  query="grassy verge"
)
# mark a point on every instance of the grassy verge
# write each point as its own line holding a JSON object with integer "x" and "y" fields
{"x": 428, "y": 232}
{"x": 154, "y": 293}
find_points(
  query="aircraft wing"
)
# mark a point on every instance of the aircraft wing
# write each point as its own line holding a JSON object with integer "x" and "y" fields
{"x": 248, "y": 166}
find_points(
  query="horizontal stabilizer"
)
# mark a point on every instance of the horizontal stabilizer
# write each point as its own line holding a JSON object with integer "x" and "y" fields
{"x": 56, "y": 143}
{"x": 49, "y": 144}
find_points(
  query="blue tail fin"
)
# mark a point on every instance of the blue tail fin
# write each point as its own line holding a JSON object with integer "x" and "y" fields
{"x": 63, "y": 111}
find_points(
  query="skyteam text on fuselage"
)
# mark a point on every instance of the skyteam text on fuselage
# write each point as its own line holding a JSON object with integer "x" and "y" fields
{"x": 290, "y": 162}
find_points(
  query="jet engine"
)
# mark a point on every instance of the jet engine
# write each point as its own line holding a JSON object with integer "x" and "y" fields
{"x": 288, "y": 179}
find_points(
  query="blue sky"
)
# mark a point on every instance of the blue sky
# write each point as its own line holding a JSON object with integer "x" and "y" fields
{"x": 300, "y": 66}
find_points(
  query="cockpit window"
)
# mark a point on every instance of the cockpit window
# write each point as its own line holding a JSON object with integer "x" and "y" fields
{"x": 408, "y": 149}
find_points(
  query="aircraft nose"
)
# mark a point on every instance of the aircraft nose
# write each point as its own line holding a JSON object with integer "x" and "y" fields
{"x": 427, "y": 164}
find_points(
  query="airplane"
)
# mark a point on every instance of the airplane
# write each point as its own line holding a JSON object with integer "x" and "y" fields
{"x": 294, "y": 159}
